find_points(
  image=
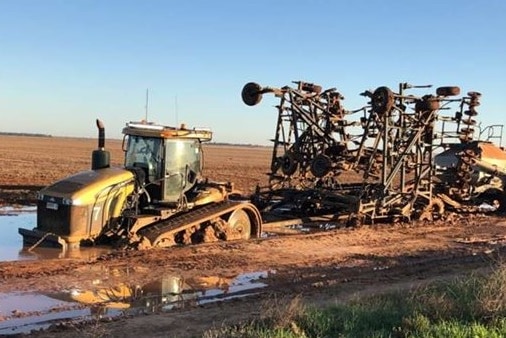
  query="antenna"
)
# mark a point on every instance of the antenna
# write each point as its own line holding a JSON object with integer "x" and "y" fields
{"x": 176, "y": 108}
{"x": 147, "y": 100}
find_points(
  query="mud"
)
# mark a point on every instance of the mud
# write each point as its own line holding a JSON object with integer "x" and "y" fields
{"x": 320, "y": 268}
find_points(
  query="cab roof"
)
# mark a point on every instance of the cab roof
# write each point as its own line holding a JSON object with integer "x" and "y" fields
{"x": 150, "y": 129}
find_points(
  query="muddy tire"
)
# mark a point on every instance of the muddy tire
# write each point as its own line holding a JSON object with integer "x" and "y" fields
{"x": 251, "y": 94}
{"x": 382, "y": 100}
{"x": 434, "y": 210}
{"x": 495, "y": 198}
{"x": 288, "y": 164}
{"x": 321, "y": 165}
{"x": 448, "y": 91}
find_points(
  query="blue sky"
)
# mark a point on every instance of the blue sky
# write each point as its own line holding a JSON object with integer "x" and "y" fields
{"x": 65, "y": 63}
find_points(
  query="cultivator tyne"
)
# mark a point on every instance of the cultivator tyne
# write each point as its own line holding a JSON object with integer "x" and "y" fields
{"x": 374, "y": 163}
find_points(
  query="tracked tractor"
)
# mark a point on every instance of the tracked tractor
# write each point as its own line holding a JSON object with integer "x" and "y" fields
{"x": 159, "y": 197}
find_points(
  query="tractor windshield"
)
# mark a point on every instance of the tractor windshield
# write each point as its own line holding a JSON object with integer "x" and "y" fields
{"x": 146, "y": 153}
{"x": 183, "y": 166}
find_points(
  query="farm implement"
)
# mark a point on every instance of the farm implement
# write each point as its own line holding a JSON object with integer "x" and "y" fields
{"x": 397, "y": 158}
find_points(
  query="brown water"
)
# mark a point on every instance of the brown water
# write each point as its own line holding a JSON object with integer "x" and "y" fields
{"x": 22, "y": 312}
{"x": 11, "y": 242}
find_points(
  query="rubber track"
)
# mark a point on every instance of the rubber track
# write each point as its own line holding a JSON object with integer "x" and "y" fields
{"x": 188, "y": 219}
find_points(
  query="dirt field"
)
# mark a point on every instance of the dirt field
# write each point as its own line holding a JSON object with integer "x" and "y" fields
{"x": 29, "y": 163}
{"x": 320, "y": 269}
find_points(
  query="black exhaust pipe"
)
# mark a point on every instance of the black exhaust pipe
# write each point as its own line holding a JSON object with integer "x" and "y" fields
{"x": 101, "y": 134}
{"x": 100, "y": 158}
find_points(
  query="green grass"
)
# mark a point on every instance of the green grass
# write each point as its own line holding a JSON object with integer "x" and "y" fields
{"x": 471, "y": 307}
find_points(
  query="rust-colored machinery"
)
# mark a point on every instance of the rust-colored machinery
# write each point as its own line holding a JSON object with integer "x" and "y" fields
{"x": 383, "y": 165}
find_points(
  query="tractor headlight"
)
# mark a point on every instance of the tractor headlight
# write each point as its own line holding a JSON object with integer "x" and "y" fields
{"x": 67, "y": 201}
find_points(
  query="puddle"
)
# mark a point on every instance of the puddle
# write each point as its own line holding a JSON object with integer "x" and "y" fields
{"x": 315, "y": 227}
{"x": 11, "y": 242}
{"x": 299, "y": 228}
{"x": 24, "y": 312}
{"x": 166, "y": 293}
{"x": 10, "y": 220}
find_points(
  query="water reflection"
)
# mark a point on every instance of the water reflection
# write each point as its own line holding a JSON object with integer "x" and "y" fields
{"x": 23, "y": 312}
{"x": 164, "y": 294}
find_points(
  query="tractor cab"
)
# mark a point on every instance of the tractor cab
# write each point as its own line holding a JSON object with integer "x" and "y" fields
{"x": 167, "y": 161}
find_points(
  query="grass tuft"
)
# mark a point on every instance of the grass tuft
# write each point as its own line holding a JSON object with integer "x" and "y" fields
{"x": 467, "y": 307}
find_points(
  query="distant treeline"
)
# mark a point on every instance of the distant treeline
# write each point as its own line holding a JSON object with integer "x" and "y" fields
{"x": 212, "y": 143}
{"x": 24, "y": 134}
{"x": 236, "y": 144}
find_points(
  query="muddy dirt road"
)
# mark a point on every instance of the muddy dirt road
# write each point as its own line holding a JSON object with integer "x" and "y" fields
{"x": 317, "y": 269}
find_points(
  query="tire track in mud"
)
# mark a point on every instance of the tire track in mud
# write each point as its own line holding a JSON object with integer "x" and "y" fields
{"x": 426, "y": 266}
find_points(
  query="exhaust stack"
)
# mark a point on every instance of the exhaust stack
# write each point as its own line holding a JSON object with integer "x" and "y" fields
{"x": 100, "y": 158}
{"x": 101, "y": 134}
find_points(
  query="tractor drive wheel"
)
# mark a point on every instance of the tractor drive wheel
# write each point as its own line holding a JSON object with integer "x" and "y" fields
{"x": 239, "y": 225}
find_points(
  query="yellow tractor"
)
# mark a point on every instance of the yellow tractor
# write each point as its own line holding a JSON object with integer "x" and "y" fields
{"x": 158, "y": 199}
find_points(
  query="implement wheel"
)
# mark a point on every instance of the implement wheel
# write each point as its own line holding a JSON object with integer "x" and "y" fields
{"x": 239, "y": 224}
{"x": 448, "y": 91}
{"x": 434, "y": 210}
{"x": 288, "y": 164}
{"x": 321, "y": 165}
{"x": 251, "y": 93}
{"x": 382, "y": 100}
